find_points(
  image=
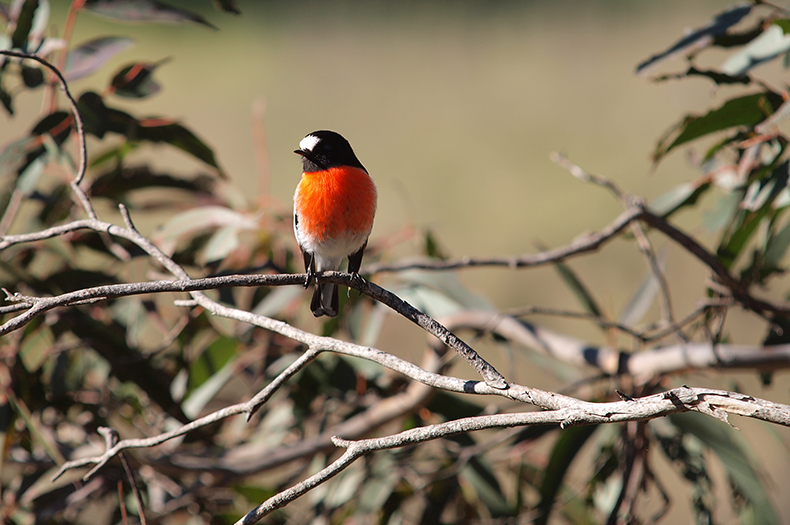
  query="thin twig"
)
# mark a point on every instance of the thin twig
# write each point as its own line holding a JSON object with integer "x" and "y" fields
{"x": 73, "y": 103}
{"x": 130, "y": 476}
{"x": 585, "y": 243}
{"x": 576, "y": 170}
{"x": 643, "y": 243}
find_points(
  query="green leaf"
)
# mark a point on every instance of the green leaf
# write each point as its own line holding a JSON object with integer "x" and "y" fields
{"x": 480, "y": 475}
{"x": 451, "y": 406}
{"x": 433, "y": 248}
{"x": 578, "y": 288}
{"x": 99, "y": 119}
{"x": 35, "y": 348}
{"x": 566, "y": 448}
{"x": 766, "y": 47}
{"x": 734, "y": 454}
{"x": 345, "y": 485}
{"x": 254, "y": 494}
{"x": 228, "y": 5}
{"x": 90, "y": 56}
{"x": 732, "y": 245}
{"x": 16, "y": 153}
{"x": 717, "y": 77}
{"x": 24, "y": 23}
{"x": 31, "y": 174}
{"x": 777, "y": 248}
{"x": 57, "y": 124}
{"x": 644, "y": 296}
{"x": 200, "y": 219}
{"x": 117, "y": 183}
{"x": 686, "y": 453}
{"x": 211, "y": 361}
{"x": 748, "y": 110}
{"x": 197, "y": 399}
{"x": 144, "y": 11}
{"x": 6, "y": 100}
{"x": 783, "y": 23}
{"x": 698, "y": 38}
{"x": 180, "y": 137}
{"x": 380, "y": 485}
{"x": 723, "y": 212}
{"x": 221, "y": 243}
{"x": 32, "y": 76}
{"x": 678, "y": 197}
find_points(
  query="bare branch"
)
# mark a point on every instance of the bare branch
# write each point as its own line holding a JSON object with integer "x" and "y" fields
{"x": 640, "y": 365}
{"x": 585, "y": 243}
{"x": 488, "y": 372}
{"x": 711, "y": 402}
{"x": 584, "y": 176}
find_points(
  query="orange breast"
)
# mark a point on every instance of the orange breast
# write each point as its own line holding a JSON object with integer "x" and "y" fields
{"x": 335, "y": 202}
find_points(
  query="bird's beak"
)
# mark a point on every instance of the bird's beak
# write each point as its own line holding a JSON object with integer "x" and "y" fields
{"x": 301, "y": 152}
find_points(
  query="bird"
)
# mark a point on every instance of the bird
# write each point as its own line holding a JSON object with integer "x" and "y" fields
{"x": 334, "y": 207}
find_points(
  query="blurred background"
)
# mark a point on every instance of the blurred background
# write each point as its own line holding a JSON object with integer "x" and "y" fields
{"x": 454, "y": 108}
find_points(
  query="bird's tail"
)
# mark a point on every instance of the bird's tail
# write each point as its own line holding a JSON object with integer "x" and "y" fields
{"x": 325, "y": 300}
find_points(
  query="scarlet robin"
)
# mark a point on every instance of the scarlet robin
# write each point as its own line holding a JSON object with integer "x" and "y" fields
{"x": 334, "y": 205}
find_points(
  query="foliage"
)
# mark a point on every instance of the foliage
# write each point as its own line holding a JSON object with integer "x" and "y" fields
{"x": 141, "y": 365}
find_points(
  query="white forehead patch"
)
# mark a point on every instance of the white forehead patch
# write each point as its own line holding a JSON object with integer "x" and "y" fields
{"x": 308, "y": 143}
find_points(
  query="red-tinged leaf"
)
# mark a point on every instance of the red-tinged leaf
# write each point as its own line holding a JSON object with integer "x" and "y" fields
{"x": 180, "y": 137}
{"x": 57, "y": 124}
{"x": 749, "y": 110}
{"x": 698, "y": 38}
{"x": 90, "y": 56}
{"x": 136, "y": 80}
{"x": 144, "y": 11}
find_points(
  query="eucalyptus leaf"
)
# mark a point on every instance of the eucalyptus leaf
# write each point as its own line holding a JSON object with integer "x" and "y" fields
{"x": 479, "y": 474}
{"x": 144, "y": 11}
{"x": 698, "y": 38}
{"x": 89, "y": 56}
{"x": 734, "y": 454}
{"x": 771, "y": 44}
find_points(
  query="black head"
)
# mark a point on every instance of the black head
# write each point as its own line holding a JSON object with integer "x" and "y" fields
{"x": 324, "y": 149}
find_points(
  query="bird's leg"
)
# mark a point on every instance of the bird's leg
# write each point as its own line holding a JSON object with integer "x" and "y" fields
{"x": 354, "y": 264}
{"x": 309, "y": 266}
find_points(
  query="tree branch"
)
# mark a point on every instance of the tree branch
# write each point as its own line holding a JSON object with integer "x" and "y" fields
{"x": 672, "y": 359}
{"x": 715, "y": 403}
